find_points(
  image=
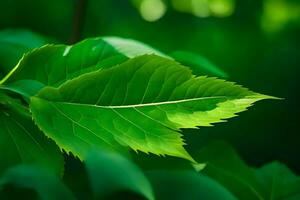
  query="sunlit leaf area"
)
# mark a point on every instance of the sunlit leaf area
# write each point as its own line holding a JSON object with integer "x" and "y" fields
{"x": 149, "y": 100}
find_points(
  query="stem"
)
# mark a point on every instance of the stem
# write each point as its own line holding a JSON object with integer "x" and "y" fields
{"x": 78, "y": 20}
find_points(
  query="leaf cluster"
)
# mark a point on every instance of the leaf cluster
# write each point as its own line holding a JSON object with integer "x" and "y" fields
{"x": 109, "y": 100}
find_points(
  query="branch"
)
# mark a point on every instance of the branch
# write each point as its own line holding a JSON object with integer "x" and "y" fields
{"x": 78, "y": 21}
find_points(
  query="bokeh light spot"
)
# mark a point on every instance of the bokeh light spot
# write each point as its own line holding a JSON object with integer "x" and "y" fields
{"x": 222, "y": 8}
{"x": 200, "y": 8}
{"x": 278, "y": 13}
{"x": 205, "y": 8}
{"x": 152, "y": 10}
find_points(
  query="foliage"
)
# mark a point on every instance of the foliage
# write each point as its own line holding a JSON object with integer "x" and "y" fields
{"x": 110, "y": 94}
{"x": 272, "y": 181}
{"x": 21, "y": 140}
{"x": 114, "y": 118}
{"x": 13, "y": 44}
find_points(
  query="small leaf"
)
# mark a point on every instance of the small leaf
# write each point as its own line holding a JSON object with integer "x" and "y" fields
{"x": 198, "y": 64}
{"x": 26, "y": 88}
{"x": 43, "y": 183}
{"x": 142, "y": 103}
{"x": 225, "y": 166}
{"x": 273, "y": 181}
{"x": 13, "y": 44}
{"x": 54, "y": 64}
{"x": 111, "y": 173}
{"x": 188, "y": 185}
{"x": 278, "y": 182}
{"x": 22, "y": 142}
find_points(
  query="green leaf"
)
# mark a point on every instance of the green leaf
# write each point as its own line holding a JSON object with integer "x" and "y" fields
{"x": 198, "y": 64}
{"x": 188, "y": 185}
{"x": 278, "y": 182}
{"x": 26, "y": 88}
{"x": 225, "y": 166}
{"x": 110, "y": 174}
{"x": 21, "y": 141}
{"x": 45, "y": 185}
{"x": 273, "y": 181}
{"x": 13, "y": 44}
{"x": 142, "y": 103}
{"x": 54, "y": 64}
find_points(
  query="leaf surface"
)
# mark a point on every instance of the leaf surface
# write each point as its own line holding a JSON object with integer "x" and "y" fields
{"x": 189, "y": 185}
{"x": 13, "y": 44}
{"x": 278, "y": 182}
{"x": 54, "y": 64}
{"x": 142, "y": 103}
{"x": 22, "y": 142}
{"x": 273, "y": 181}
{"x": 44, "y": 185}
{"x": 111, "y": 173}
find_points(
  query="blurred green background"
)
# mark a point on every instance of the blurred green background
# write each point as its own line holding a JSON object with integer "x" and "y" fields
{"x": 256, "y": 42}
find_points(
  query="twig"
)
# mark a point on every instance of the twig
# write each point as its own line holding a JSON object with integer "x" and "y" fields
{"x": 78, "y": 21}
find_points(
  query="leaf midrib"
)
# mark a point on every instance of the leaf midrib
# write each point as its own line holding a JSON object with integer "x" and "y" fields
{"x": 138, "y": 105}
